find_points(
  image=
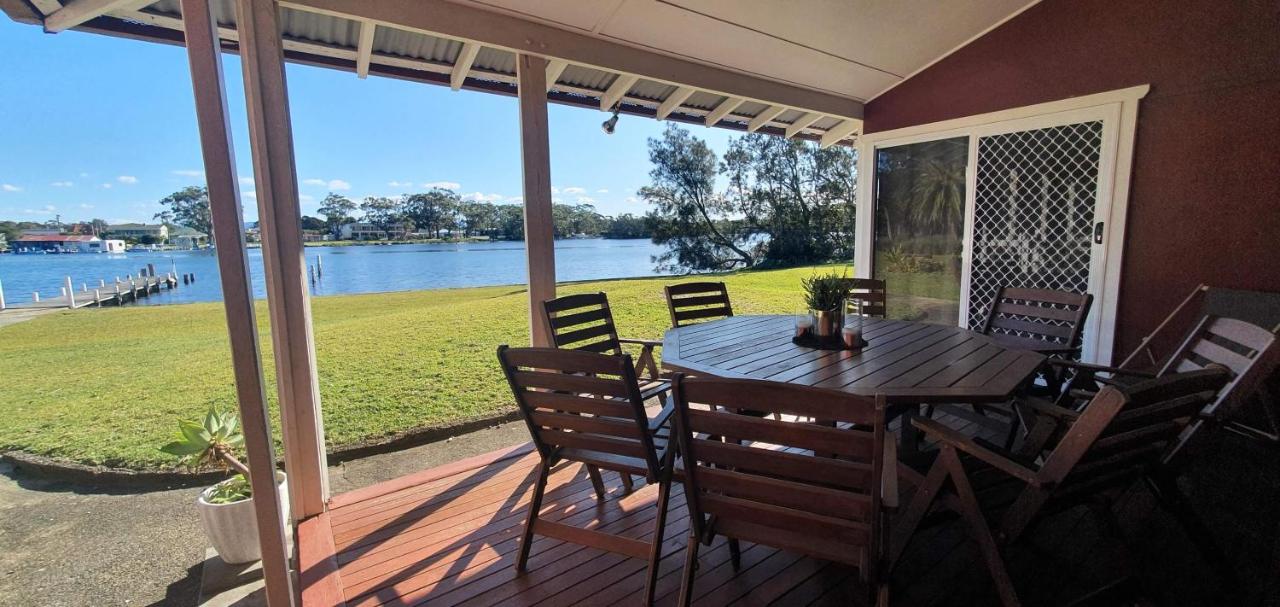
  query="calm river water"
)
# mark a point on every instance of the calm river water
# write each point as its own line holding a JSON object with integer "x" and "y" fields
{"x": 357, "y": 269}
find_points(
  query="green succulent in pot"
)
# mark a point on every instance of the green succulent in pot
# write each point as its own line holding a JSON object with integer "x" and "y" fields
{"x": 825, "y": 295}
{"x": 212, "y": 442}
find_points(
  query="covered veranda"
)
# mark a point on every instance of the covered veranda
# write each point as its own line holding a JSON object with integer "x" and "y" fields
{"x": 446, "y": 535}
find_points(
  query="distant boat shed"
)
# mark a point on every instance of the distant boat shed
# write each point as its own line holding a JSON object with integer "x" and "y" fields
{"x": 66, "y": 243}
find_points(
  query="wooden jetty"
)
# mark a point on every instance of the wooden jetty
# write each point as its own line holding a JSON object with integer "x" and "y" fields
{"x": 105, "y": 294}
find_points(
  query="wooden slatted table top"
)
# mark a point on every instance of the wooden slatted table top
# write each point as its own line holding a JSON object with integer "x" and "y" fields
{"x": 909, "y": 362}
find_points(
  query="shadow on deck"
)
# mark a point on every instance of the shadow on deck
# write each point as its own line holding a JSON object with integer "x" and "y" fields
{"x": 448, "y": 536}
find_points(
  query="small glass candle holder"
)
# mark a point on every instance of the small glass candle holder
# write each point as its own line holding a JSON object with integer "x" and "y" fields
{"x": 804, "y": 322}
{"x": 851, "y": 333}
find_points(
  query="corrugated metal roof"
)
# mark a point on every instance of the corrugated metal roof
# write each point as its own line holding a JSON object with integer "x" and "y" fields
{"x": 57, "y": 238}
{"x": 391, "y": 41}
{"x": 496, "y": 60}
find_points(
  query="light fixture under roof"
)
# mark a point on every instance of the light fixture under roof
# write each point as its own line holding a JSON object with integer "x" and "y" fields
{"x": 609, "y": 125}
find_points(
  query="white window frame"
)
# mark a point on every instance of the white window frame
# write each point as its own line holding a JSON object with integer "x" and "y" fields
{"x": 1117, "y": 109}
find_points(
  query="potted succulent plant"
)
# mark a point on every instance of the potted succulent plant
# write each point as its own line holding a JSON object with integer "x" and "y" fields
{"x": 226, "y": 509}
{"x": 825, "y": 295}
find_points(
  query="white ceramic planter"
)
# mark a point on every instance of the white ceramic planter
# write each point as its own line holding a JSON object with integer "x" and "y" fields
{"x": 233, "y": 528}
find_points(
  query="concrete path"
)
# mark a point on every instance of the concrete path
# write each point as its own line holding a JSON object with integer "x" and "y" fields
{"x": 64, "y": 544}
{"x": 10, "y": 316}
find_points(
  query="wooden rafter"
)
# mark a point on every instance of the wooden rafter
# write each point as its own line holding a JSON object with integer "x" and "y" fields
{"x": 839, "y": 132}
{"x": 462, "y": 66}
{"x": 555, "y": 67}
{"x": 722, "y": 110}
{"x": 364, "y": 49}
{"x": 80, "y": 11}
{"x": 674, "y": 100}
{"x": 616, "y": 90}
{"x": 802, "y": 123}
{"x": 764, "y": 117}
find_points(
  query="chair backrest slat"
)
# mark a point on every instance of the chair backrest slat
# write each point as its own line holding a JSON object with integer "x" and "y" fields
{"x": 812, "y": 487}
{"x": 1039, "y": 316}
{"x": 576, "y": 400}
{"x": 582, "y": 322}
{"x": 697, "y": 301}
{"x": 871, "y": 293}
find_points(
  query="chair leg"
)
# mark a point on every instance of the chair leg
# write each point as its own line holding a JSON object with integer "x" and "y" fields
{"x": 926, "y": 492}
{"x": 627, "y": 485}
{"x": 690, "y": 569}
{"x": 735, "y": 554}
{"x": 970, "y": 511}
{"x": 1171, "y": 498}
{"x": 596, "y": 481}
{"x": 655, "y": 550}
{"x": 535, "y": 505}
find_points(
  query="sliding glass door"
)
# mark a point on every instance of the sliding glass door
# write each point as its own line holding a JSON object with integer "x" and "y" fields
{"x": 920, "y": 194}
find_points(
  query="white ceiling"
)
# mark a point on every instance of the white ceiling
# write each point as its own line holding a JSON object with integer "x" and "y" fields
{"x": 855, "y": 48}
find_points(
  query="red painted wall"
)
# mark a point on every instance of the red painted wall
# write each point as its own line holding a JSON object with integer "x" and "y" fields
{"x": 1205, "y": 199}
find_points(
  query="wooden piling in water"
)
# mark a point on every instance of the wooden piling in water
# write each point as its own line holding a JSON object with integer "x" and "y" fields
{"x": 35, "y": 296}
{"x": 1, "y": 295}
{"x": 71, "y": 294}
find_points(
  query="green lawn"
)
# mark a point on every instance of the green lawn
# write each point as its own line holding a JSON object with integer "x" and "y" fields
{"x": 107, "y": 386}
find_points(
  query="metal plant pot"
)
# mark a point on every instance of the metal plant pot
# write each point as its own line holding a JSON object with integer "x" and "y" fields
{"x": 827, "y": 323}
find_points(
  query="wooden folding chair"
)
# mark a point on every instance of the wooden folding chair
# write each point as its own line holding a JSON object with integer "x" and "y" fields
{"x": 585, "y": 322}
{"x": 765, "y": 484}
{"x": 868, "y": 295}
{"x": 587, "y": 408}
{"x": 1121, "y": 436}
{"x": 1243, "y": 347}
{"x": 697, "y": 301}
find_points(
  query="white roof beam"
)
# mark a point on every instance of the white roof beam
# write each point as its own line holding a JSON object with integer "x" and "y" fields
{"x": 77, "y": 12}
{"x": 555, "y": 67}
{"x": 462, "y": 66}
{"x": 722, "y": 110}
{"x": 802, "y": 123}
{"x": 838, "y": 132}
{"x": 674, "y": 100}
{"x": 764, "y": 117}
{"x": 616, "y": 90}
{"x": 364, "y": 49}
{"x": 508, "y": 32}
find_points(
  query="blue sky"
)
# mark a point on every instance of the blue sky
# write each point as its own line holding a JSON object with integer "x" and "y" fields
{"x": 95, "y": 126}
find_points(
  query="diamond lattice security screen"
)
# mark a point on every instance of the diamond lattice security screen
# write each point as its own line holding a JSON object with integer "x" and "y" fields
{"x": 1033, "y": 212}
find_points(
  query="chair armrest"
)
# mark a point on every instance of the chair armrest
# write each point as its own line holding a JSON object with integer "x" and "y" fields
{"x": 661, "y": 418}
{"x": 652, "y": 343}
{"x": 1047, "y": 408}
{"x": 962, "y": 443}
{"x": 889, "y": 474}
{"x": 1092, "y": 368}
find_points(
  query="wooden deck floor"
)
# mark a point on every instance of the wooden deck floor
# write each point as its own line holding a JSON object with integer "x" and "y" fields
{"x": 448, "y": 536}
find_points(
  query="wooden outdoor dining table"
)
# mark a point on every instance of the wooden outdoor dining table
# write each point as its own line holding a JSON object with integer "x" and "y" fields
{"x": 909, "y": 362}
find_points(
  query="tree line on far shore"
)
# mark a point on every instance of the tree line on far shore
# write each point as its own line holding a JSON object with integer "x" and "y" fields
{"x": 440, "y": 213}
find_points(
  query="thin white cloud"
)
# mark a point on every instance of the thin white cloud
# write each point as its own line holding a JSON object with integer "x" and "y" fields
{"x": 127, "y": 179}
{"x": 182, "y": 173}
{"x": 516, "y": 200}
{"x": 555, "y": 190}
{"x": 106, "y": 186}
{"x": 83, "y": 175}
{"x": 86, "y": 206}
{"x": 248, "y": 194}
{"x": 8, "y": 187}
{"x": 47, "y": 209}
{"x": 479, "y": 197}
{"x": 445, "y": 185}
{"x": 399, "y": 184}
{"x": 631, "y": 200}
{"x": 61, "y": 184}
{"x": 246, "y": 180}
{"x": 307, "y": 198}
{"x": 332, "y": 184}
{"x": 586, "y": 200}
{"x": 573, "y": 190}
{"x": 602, "y": 191}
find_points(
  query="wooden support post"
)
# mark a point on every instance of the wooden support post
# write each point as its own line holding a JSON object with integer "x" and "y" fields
{"x": 280, "y": 218}
{"x": 204, "y": 53}
{"x": 535, "y": 153}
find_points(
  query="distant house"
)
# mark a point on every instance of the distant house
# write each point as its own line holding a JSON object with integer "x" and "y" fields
{"x": 188, "y": 238}
{"x": 58, "y": 243}
{"x": 312, "y": 235}
{"x": 157, "y": 232}
{"x": 4, "y": 243}
{"x": 113, "y": 246}
{"x": 361, "y": 231}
